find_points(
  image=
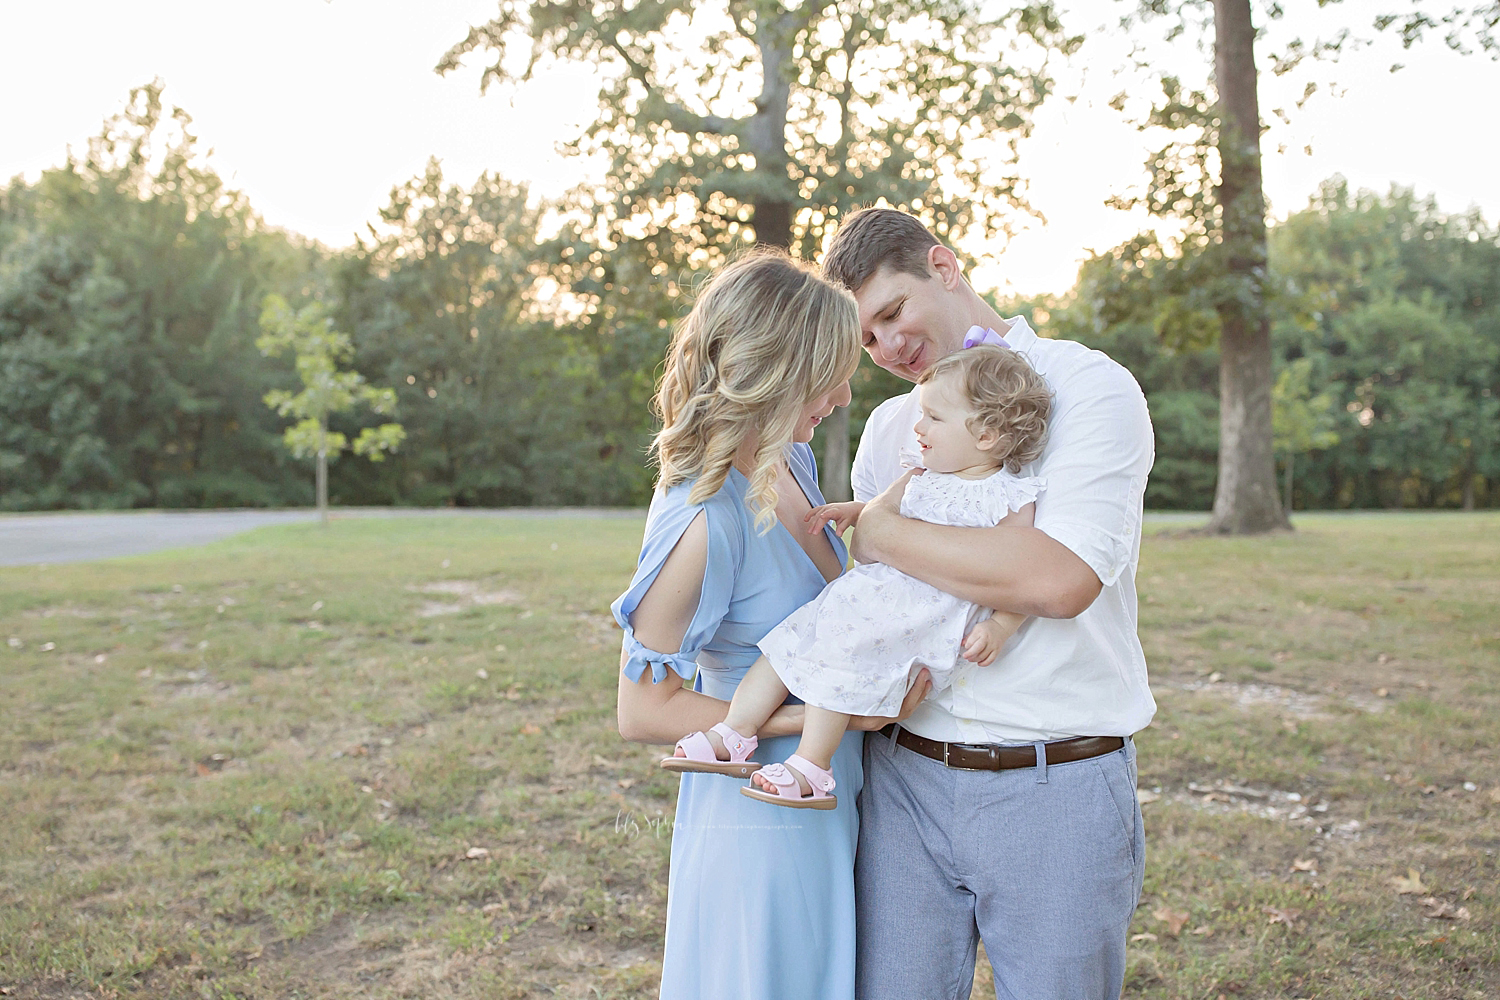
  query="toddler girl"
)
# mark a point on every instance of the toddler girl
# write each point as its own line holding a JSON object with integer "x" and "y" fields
{"x": 855, "y": 648}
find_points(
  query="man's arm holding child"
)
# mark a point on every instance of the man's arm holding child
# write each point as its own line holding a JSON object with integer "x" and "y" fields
{"x": 1098, "y": 456}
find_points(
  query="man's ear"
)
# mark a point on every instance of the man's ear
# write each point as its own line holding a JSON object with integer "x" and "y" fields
{"x": 943, "y": 264}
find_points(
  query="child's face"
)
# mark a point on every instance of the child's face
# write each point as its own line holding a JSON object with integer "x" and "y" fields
{"x": 947, "y": 443}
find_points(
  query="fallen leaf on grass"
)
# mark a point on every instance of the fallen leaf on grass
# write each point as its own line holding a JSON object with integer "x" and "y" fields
{"x": 1280, "y": 916}
{"x": 1305, "y": 865}
{"x": 1146, "y": 796}
{"x": 1439, "y": 909}
{"x": 1494, "y": 794}
{"x": 1174, "y": 919}
{"x": 476, "y": 853}
{"x": 1205, "y": 931}
{"x": 490, "y": 909}
{"x": 1408, "y": 885}
{"x": 531, "y": 729}
{"x": 1468, "y": 893}
{"x": 1138, "y": 938}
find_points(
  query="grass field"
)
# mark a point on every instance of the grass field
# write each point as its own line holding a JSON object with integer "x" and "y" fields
{"x": 379, "y": 760}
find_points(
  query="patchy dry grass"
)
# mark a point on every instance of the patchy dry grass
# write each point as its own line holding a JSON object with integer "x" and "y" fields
{"x": 379, "y": 761}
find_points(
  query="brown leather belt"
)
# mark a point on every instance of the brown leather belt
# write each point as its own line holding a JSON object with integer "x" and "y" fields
{"x": 997, "y": 757}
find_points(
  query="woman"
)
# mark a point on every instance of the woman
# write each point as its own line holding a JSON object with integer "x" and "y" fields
{"x": 760, "y": 906}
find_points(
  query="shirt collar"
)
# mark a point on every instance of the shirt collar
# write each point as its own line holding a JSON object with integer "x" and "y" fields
{"x": 1020, "y": 336}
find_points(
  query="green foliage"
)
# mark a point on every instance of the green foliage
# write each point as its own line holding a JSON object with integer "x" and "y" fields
{"x": 1386, "y": 332}
{"x": 1303, "y": 421}
{"x": 319, "y": 349}
{"x": 508, "y": 401}
{"x": 725, "y": 117}
{"x": 128, "y": 373}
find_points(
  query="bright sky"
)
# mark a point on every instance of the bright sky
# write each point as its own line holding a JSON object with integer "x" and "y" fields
{"x": 317, "y": 108}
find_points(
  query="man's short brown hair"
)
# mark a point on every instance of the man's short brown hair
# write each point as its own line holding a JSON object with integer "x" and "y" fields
{"x": 873, "y": 238}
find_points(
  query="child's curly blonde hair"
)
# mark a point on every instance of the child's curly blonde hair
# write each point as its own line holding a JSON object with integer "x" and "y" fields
{"x": 1007, "y": 395}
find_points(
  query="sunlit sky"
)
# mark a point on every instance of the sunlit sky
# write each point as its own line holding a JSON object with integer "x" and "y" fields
{"x": 317, "y": 108}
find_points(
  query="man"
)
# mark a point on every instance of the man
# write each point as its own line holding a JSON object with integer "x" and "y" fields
{"x": 1004, "y": 808}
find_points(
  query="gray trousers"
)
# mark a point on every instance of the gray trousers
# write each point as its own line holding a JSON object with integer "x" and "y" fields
{"x": 1043, "y": 864}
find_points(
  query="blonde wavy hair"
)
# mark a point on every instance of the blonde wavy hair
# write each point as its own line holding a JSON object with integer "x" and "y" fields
{"x": 1007, "y": 396}
{"x": 765, "y": 337}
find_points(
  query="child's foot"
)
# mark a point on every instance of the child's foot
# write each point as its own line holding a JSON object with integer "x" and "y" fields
{"x": 714, "y": 740}
{"x": 720, "y": 750}
{"x": 759, "y": 780}
{"x": 798, "y": 783}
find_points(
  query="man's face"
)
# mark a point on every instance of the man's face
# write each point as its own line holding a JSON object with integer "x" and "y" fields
{"x": 908, "y": 322}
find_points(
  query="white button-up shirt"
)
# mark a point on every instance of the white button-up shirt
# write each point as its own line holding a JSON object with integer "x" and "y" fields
{"x": 1056, "y": 678}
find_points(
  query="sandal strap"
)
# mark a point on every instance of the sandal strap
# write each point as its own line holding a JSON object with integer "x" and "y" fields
{"x": 740, "y": 747}
{"x": 782, "y": 778}
{"x": 821, "y": 781}
{"x": 695, "y": 746}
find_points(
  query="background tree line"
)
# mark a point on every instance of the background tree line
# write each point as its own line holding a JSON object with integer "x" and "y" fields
{"x": 523, "y": 339}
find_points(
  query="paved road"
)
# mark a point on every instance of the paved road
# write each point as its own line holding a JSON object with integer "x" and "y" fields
{"x": 29, "y": 539}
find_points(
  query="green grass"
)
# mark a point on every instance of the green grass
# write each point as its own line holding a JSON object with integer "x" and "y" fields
{"x": 257, "y": 769}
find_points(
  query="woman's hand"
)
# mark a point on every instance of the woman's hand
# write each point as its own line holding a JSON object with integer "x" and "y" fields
{"x": 914, "y": 696}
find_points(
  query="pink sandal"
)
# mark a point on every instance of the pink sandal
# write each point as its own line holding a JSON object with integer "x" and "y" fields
{"x": 699, "y": 756}
{"x": 787, "y": 792}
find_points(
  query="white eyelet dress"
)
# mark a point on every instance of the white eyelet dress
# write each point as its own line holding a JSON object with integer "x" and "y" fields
{"x": 858, "y": 644}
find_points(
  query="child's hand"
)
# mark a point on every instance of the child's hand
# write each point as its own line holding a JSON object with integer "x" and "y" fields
{"x": 984, "y": 640}
{"x": 843, "y": 515}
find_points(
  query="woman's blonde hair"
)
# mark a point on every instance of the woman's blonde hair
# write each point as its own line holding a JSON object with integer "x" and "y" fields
{"x": 1007, "y": 396}
{"x": 765, "y": 337}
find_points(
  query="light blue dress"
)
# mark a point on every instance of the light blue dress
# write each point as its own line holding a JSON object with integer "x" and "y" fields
{"x": 760, "y": 898}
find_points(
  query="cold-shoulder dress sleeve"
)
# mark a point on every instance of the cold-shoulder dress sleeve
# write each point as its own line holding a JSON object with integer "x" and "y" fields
{"x": 666, "y": 522}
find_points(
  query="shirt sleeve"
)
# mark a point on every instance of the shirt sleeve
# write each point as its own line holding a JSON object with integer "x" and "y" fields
{"x": 1099, "y": 451}
{"x": 669, "y": 518}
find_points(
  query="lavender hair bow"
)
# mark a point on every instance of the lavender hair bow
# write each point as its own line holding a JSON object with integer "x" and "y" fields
{"x": 983, "y": 335}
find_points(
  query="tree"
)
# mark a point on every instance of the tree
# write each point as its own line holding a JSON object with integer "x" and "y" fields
{"x": 747, "y": 120}
{"x": 1302, "y": 421}
{"x": 128, "y": 371}
{"x": 1212, "y": 180}
{"x": 319, "y": 349}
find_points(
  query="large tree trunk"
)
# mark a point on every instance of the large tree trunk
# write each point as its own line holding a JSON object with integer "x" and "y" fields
{"x": 1245, "y": 501}
{"x": 772, "y": 197}
{"x": 765, "y": 135}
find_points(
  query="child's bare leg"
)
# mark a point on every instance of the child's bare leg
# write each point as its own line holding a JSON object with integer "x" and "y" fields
{"x": 821, "y": 732}
{"x": 759, "y": 695}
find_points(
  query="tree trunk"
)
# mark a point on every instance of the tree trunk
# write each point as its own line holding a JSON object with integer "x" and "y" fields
{"x": 833, "y": 473}
{"x": 1245, "y": 500}
{"x": 1291, "y": 460}
{"x": 322, "y": 476}
{"x": 1468, "y": 489}
{"x": 765, "y": 136}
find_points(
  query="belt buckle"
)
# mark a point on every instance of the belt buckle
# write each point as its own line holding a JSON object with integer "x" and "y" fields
{"x": 945, "y": 754}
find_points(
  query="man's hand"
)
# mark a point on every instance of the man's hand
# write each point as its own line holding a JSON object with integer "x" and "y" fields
{"x": 843, "y": 515}
{"x": 984, "y": 640}
{"x": 880, "y": 515}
